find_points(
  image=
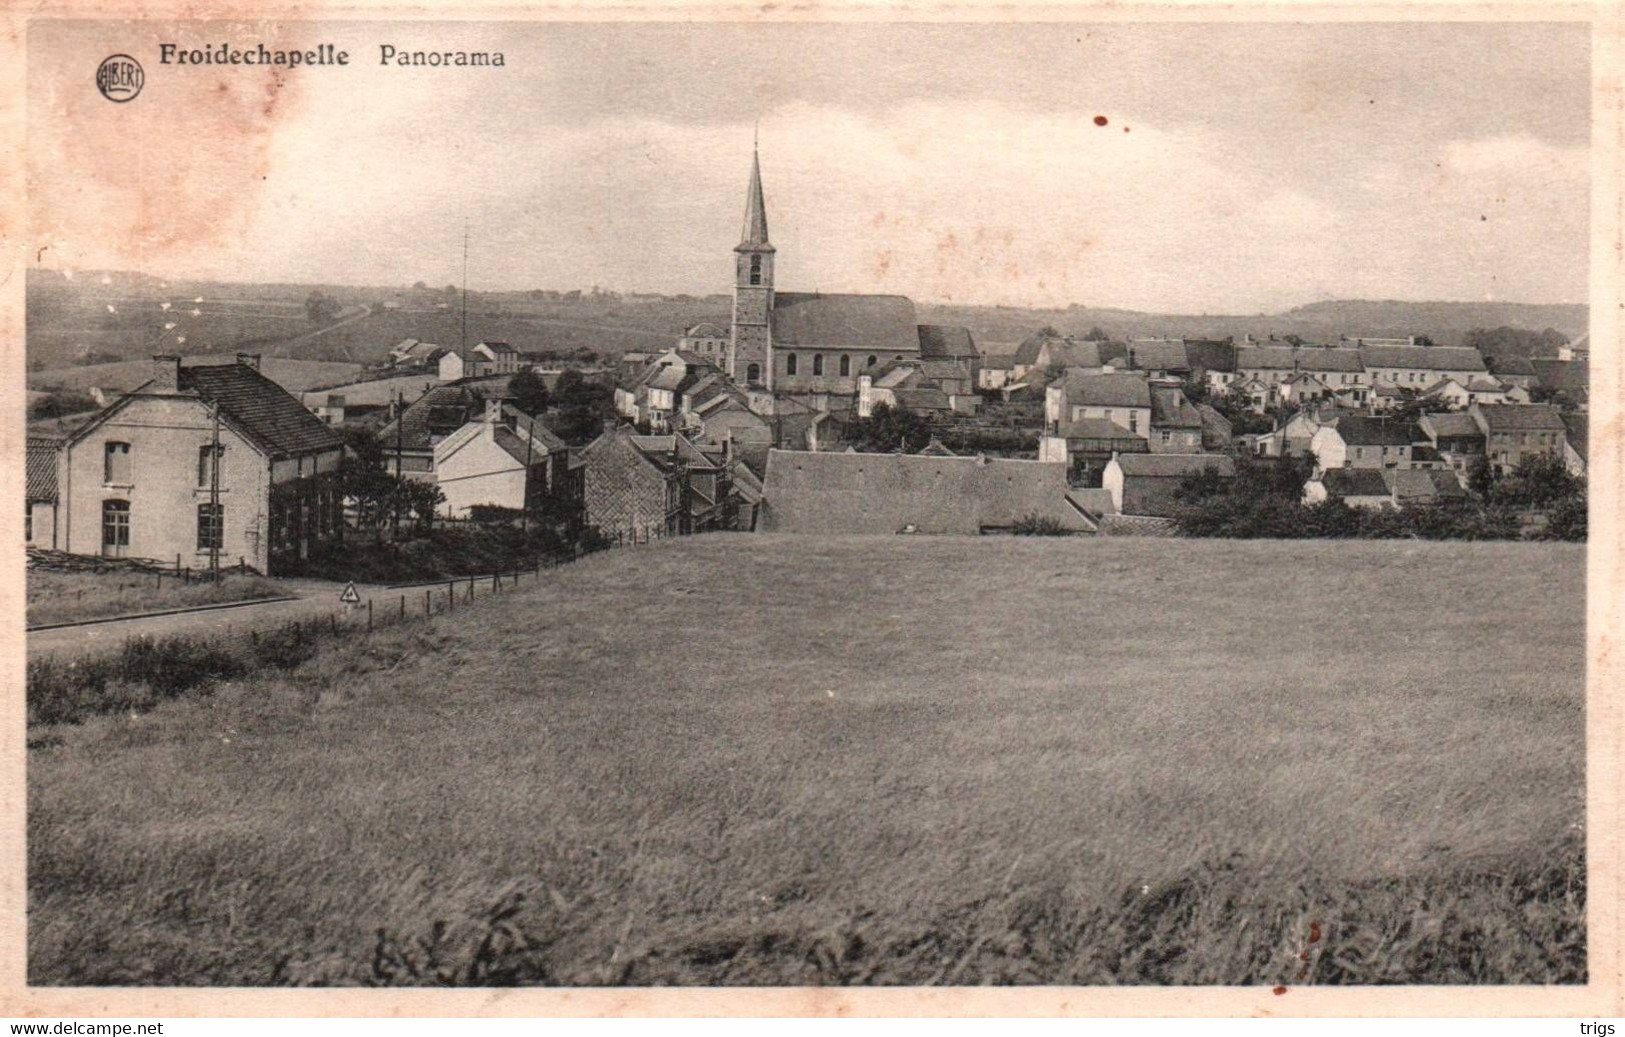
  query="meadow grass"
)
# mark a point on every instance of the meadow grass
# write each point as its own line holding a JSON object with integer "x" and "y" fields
{"x": 69, "y": 597}
{"x": 754, "y": 759}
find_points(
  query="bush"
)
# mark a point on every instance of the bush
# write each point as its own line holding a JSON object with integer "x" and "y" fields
{"x": 1039, "y": 526}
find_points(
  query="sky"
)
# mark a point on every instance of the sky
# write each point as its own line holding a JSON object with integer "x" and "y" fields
{"x": 1190, "y": 168}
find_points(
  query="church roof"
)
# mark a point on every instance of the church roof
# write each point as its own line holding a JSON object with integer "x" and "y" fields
{"x": 945, "y": 341}
{"x": 754, "y": 235}
{"x": 845, "y": 321}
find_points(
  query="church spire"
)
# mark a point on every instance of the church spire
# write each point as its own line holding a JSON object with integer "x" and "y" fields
{"x": 755, "y": 233}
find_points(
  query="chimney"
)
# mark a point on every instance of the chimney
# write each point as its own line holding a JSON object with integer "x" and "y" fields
{"x": 249, "y": 360}
{"x": 166, "y": 373}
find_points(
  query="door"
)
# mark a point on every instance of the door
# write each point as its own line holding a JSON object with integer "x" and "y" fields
{"x": 115, "y": 528}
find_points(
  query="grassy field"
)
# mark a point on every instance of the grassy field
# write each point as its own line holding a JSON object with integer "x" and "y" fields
{"x": 67, "y": 597}
{"x": 749, "y": 759}
{"x": 293, "y": 375}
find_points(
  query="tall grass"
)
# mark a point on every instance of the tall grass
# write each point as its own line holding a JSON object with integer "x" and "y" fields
{"x": 62, "y": 597}
{"x": 741, "y": 759}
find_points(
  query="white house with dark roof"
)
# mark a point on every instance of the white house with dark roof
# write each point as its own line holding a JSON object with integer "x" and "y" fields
{"x": 504, "y": 459}
{"x": 40, "y": 506}
{"x": 1148, "y": 484}
{"x": 144, "y": 479}
{"x": 1417, "y": 367}
{"x": 1513, "y": 432}
{"x": 1358, "y": 441}
{"x": 1121, "y": 397}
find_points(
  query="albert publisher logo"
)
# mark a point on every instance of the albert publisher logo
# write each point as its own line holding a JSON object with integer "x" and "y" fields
{"x": 119, "y": 78}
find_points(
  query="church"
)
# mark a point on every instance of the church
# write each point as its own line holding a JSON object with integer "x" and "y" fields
{"x": 814, "y": 343}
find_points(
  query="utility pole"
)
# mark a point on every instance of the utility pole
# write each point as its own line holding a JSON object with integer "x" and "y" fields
{"x": 524, "y": 502}
{"x": 464, "y": 351}
{"x": 217, "y": 527}
{"x": 400, "y": 416}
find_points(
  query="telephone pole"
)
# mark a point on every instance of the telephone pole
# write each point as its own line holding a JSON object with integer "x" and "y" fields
{"x": 400, "y": 418}
{"x": 464, "y": 351}
{"x": 217, "y": 525}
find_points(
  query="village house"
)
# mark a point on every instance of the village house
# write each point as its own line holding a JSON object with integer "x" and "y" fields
{"x": 485, "y": 358}
{"x": 1417, "y": 367}
{"x": 656, "y": 396}
{"x": 144, "y": 478}
{"x": 1302, "y": 388}
{"x": 1043, "y": 350}
{"x": 1159, "y": 358}
{"x": 706, "y": 340}
{"x": 409, "y": 438}
{"x": 1390, "y": 488}
{"x": 503, "y": 459}
{"x": 1086, "y": 445}
{"x": 936, "y": 388}
{"x": 940, "y": 342}
{"x": 996, "y": 370}
{"x": 1218, "y": 433}
{"x": 1357, "y": 441}
{"x": 1176, "y": 424}
{"x": 1122, "y": 398}
{"x": 638, "y": 488}
{"x": 39, "y": 509}
{"x": 1512, "y": 369}
{"x": 1513, "y": 432}
{"x": 843, "y": 493}
{"x": 1456, "y": 437}
{"x": 412, "y": 353}
{"x": 1148, "y": 484}
{"x": 714, "y": 411}
{"x": 1293, "y": 437}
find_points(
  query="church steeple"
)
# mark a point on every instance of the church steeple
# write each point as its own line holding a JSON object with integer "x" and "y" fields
{"x": 754, "y": 237}
{"x": 750, "y": 348}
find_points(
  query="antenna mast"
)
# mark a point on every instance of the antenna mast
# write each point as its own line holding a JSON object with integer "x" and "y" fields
{"x": 464, "y": 350}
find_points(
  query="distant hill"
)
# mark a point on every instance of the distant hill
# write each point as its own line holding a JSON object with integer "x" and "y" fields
{"x": 1444, "y": 322}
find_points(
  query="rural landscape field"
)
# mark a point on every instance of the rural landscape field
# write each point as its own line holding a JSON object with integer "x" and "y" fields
{"x": 769, "y": 760}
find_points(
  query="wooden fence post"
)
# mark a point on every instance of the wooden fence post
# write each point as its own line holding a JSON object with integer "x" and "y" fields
{"x": 369, "y": 615}
{"x": 403, "y": 606}
{"x": 451, "y": 595}
{"x": 427, "y": 599}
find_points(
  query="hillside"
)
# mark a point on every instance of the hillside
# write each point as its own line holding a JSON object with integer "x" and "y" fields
{"x": 848, "y": 760}
{"x": 124, "y": 318}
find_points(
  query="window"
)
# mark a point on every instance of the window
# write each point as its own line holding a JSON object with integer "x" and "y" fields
{"x": 818, "y": 363}
{"x": 116, "y": 464}
{"x": 28, "y": 523}
{"x": 211, "y": 521}
{"x": 755, "y": 269}
{"x": 789, "y": 363}
{"x": 753, "y": 373}
{"x": 115, "y": 527}
{"x": 1134, "y": 421}
{"x": 846, "y": 364}
{"x": 1166, "y": 436}
{"x": 205, "y": 471}
{"x": 869, "y": 362}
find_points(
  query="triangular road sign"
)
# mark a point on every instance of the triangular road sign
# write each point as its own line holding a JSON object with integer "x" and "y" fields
{"x": 350, "y": 597}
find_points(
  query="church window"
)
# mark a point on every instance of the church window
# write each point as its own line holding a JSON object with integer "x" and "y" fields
{"x": 846, "y": 364}
{"x": 755, "y": 269}
{"x": 870, "y": 362}
{"x": 818, "y": 363}
{"x": 790, "y": 363}
{"x": 753, "y": 373}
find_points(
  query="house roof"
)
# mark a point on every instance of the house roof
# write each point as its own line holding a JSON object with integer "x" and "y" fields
{"x": 944, "y": 370}
{"x": 1354, "y": 482}
{"x": 1423, "y": 358}
{"x": 1425, "y": 484}
{"x": 1489, "y": 385}
{"x": 441, "y": 410}
{"x": 845, "y": 321}
{"x": 941, "y": 340}
{"x": 1328, "y": 358}
{"x": 935, "y": 449}
{"x": 41, "y": 467}
{"x": 705, "y": 329}
{"x": 499, "y": 348}
{"x": 1118, "y": 389}
{"x": 1158, "y": 355}
{"x": 1516, "y": 417}
{"x": 1210, "y": 354}
{"x": 1264, "y": 358}
{"x": 1577, "y": 428}
{"x": 1454, "y": 424}
{"x": 999, "y": 361}
{"x": 1173, "y": 466}
{"x": 261, "y": 407}
{"x": 829, "y": 493}
{"x": 1095, "y": 501}
{"x": 1213, "y": 423}
{"x": 1361, "y": 430}
{"x": 1171, "y": 409}
{"x": 1026, "y": 354}
{"x": 1423, "y": 452}
{"x": 926, "y": 397}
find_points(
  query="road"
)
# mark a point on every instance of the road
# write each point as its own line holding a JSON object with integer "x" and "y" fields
{"x": 360, "y": 313}
{"x": 315, "y": 598}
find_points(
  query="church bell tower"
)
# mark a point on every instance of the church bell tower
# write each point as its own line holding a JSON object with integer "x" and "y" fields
{"x": 750, "y": 348}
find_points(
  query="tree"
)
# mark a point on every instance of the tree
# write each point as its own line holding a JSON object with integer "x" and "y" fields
{"x": 529, "y": 392}
{"x": 1539, "y": 480}
{"x": 889, "y": 431}
{"x": 420, "y": 286}
{"x": 321, "y": 308}
{"x": 1095, "y": 334}
{"x": 1481, "y": 478}
{"x": 1292, "y": 340}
